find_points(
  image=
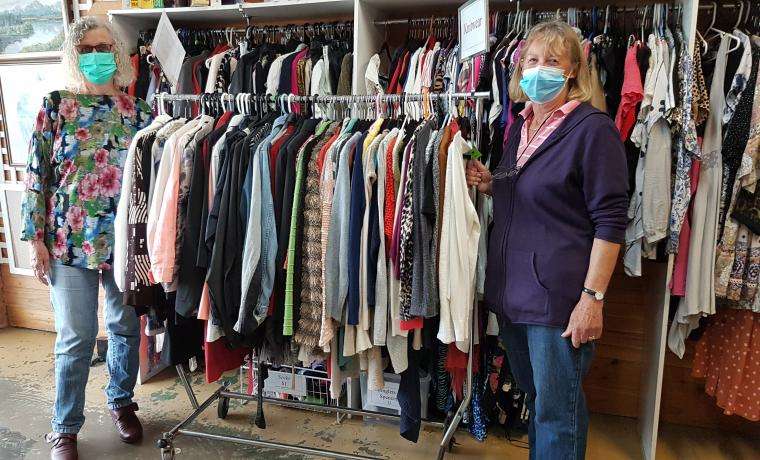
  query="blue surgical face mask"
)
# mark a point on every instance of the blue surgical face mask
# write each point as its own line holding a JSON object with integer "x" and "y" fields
{"x": 542, "y": 84}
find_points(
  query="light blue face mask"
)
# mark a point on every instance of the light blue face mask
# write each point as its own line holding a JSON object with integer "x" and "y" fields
{"x": 98, "y": 68}
{"x": 542, "y": 84}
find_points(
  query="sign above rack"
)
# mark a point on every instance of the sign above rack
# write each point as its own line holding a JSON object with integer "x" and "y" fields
{"x": 473, "y": 29}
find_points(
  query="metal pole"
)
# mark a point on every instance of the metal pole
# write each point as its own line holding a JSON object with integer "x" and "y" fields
{"x": 319, "y": 407}
{"x": 276, "y": 445}
{"x": 186, "y": 383}
{"x": 198, "y": 411}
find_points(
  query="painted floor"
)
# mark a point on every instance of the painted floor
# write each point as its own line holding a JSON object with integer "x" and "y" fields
{"x": 26, "y": 390}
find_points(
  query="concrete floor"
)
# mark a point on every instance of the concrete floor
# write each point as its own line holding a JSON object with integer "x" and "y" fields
{"x": 26, "y": 386}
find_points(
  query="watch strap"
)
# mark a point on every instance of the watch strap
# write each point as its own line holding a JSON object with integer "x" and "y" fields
{"x": 596, "y": 295}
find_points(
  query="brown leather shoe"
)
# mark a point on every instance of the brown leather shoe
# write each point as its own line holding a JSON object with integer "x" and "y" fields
{"x": 127, "y": 424}
{"x": 64, "y": 446}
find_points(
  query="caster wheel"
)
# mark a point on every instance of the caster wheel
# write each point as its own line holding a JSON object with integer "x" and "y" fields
{"x": 223, "y": 407}
{"x": 162, "y": 444}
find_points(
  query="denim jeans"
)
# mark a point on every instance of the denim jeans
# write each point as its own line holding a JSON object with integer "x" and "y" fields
{"x": 550, "y": 371}
{"x": 74, "y": 295}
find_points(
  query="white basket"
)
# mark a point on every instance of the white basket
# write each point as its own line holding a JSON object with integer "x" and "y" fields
{"x": 289, "y": 382}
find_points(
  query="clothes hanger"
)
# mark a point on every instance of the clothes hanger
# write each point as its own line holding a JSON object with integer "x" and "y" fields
{"x": 740, "y": 16}
{"x": 723, "y": 33}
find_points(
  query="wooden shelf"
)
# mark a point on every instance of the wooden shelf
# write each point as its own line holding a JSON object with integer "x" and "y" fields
{"x": 230, "y": 14}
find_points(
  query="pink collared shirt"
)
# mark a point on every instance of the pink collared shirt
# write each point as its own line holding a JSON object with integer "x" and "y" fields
{"x": 525, "y": 150}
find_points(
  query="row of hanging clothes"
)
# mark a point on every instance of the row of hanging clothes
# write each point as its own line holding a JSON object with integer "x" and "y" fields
{"x": 717, "y": 263}
{"x": 627, "y": 49}
{"x": 426, "y": 61}
{"x": 309, "y": 239}
{"x": 305, "y": 59}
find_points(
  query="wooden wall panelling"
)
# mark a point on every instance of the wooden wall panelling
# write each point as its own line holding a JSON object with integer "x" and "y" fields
{"x": 28, "y": 303}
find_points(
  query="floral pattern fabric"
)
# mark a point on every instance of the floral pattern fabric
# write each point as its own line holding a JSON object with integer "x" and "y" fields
{"x": 73, "y": 176}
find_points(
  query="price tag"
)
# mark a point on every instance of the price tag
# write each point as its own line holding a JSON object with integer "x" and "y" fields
{"x": 473, "y": 29}
{"x": 385, "y": 397}
{"x": 285, "y": 382}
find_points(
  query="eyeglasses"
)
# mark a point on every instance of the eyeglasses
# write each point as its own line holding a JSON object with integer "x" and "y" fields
{"x": 100, "y": 48}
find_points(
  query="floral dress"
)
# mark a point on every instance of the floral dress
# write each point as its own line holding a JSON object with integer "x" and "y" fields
{"x": 73, "y": 176}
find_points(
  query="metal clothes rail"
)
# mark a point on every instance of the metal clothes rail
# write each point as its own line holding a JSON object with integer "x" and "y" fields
{"x": 223, "y": 394}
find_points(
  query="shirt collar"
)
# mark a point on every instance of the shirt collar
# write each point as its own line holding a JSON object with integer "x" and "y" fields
{"x": 564, "y": 109}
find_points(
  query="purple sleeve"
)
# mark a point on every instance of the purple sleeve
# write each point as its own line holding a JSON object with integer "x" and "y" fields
{"x": 605, "y": 180}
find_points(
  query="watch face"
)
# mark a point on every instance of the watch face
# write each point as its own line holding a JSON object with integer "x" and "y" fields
{"x": 599, "y": 296}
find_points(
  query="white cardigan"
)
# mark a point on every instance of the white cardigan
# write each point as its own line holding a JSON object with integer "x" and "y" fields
{"x": 460, "y": 231}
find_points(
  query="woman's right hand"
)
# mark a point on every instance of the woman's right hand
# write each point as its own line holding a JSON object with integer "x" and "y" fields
{"x": 40, "y": 257}
{"x": 479, "y": 176}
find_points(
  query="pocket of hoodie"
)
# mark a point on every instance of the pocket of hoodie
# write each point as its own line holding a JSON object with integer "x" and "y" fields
{"x": 524, "y": 291}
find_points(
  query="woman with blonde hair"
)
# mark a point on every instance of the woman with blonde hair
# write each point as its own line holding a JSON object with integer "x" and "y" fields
{"x": 73, "y": 183}
{"x": 560, "y": 202}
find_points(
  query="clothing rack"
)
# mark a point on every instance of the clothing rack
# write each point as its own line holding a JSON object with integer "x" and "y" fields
{"x": 416, "y": 21}
{"x": 315, "y": 27}
{"x": 223, "y": 394}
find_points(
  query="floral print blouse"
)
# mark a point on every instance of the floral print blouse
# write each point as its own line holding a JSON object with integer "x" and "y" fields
{"x": 73, "y": 177}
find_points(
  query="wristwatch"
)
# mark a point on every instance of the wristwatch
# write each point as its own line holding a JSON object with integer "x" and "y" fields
{"x": 597, "y": 295}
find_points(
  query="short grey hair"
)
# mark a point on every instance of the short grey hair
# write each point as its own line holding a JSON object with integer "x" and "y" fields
{"x": 124, "y": 76}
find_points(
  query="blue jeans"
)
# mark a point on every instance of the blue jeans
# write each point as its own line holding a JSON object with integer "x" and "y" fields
{"x": 74, "y": 295}
{"x": 550, "y": 371}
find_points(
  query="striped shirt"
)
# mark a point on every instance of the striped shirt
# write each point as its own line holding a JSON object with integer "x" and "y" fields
{"x": 525, "y": 150}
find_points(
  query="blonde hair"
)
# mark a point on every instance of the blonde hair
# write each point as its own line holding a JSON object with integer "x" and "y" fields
{"x": 76, "y": 80}
{"x": 560, "y": 38}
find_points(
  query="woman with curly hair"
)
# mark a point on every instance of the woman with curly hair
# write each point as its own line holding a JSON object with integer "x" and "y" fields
{"x": 73, "y": 183}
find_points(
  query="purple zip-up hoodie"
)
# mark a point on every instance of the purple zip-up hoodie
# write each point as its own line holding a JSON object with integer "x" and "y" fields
{"x": 572, "y": 189}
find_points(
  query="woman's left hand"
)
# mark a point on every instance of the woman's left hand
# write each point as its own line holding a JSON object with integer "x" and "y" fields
{"x": 586, "y": 321}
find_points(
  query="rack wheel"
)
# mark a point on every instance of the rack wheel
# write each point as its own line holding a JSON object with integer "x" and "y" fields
{"x": 223, "y": 407}
{"x": 167, "y": 449}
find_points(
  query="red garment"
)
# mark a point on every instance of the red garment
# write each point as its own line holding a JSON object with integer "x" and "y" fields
{"x": 728, "y": 357}
{"x": 678, "y": 281}
{"x": 414, "y": 323}
{"x": 134, "y": 60}
{"x": 223, "y": 120}
{"x": 390, "y": 196}
{"x": 294, "y": 75}
{"x": 631, "y": 94}
{"x": 221, "y": 48}
{"x": 323, "y": 151}
{"x": 456, "y": 365}
{"x": 220, "y": 358}
{"x": 197, "y": 89}
{"x": 396, "y": 85}
{"x": 404, "y": 72}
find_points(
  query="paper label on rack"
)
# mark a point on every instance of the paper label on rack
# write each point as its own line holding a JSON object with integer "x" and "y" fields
{"x": 473, "y": 29}
{"x": 283, "y": 382}
{"x": 168, "y": 49}
{"x": 385, "y": 397}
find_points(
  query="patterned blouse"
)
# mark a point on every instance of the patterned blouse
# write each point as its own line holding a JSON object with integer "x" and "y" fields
{"x": 73, "y": 177}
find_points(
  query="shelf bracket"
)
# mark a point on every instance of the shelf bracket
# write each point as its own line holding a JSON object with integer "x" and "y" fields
{"x": 245, "y": 16}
